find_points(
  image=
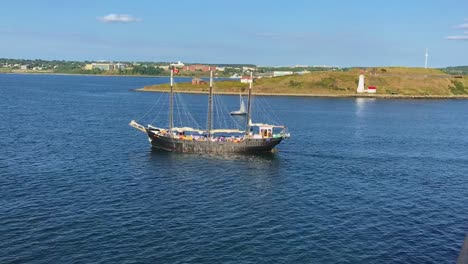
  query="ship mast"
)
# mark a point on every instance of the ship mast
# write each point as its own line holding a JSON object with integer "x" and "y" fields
{"x": 247, "y": 125}
{"x": 209, "y": 124}
{"x": 171, "y": 104}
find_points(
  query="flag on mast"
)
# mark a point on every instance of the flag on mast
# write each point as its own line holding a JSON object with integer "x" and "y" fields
{"x": 175, "y": 70}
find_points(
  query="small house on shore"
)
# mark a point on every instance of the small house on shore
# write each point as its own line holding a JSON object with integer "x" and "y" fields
{"x": 371, "y": 89}
{"x": 246, "y": 79}
{"x": 197, "y": 81}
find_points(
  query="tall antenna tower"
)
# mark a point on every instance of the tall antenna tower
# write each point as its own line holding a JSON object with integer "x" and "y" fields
{"x": 427, "y": 55}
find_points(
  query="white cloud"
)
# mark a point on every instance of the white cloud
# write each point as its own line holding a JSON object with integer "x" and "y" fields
{"x": 462, "y": 26}
{"x": 118, "y": 18}
{"x": 285, "y": 36}
{"x": 464, "y": 37}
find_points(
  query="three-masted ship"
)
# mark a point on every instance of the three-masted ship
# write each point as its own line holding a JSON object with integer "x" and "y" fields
{"x": 256, "y": 138}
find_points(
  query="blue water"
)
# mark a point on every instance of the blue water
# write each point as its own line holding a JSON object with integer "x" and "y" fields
{"x": 360, "y": 181}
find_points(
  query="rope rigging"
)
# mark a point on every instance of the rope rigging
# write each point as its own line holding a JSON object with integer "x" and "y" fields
{"x": 148, "y": 111}
{"x": 263, "y": 109}
{"x": 185, "y": 116}
{"x": 223, "y": 111}
{"x": 163, "y": 107}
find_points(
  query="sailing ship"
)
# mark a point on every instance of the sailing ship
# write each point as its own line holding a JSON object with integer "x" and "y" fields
{"x": 255, "y": 138}
{"x": 241, "y": 110}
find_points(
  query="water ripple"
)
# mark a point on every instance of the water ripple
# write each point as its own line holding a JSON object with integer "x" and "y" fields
{"x": 385, "y": 184}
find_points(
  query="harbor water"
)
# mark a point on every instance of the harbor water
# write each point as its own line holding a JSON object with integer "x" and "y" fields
{"x": 359, "y": 181}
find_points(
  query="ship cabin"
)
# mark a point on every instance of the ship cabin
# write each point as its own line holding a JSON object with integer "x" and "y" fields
{"x": 266, "y": 131}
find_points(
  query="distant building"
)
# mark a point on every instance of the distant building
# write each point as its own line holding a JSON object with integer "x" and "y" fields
{"x": 371, "y": 89}
{"x": 246, "y": 79}
{"x": 282, "y": 73}
{"x": 197, "y": 81}
{"x": 260, "y": 75}
{"x": 220, "y": 69}
{"x": 199, "y": 67}
{"x": 120, "y": 66}
{"x": 104, "y": 66}
{"x": 24, "y": 67}
{"x": 245, "y": 68}
{"x": 303, "y": 72}
{"x": 179, "y": 64}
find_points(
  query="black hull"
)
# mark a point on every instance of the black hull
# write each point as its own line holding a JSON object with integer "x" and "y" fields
{"x": 250, "y": 145}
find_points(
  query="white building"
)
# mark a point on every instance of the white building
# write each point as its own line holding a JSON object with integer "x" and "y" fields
{"x": 119, "y": 65}
{"x": 282, "y": 73}
{"x": 245, "y": 68}
{"x": 246, "y": 79}
{"x": 179, "y": 64}
{"x": 109, "y": 66}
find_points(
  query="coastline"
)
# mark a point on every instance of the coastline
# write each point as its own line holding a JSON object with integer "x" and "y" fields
{"x": 383, "y": 96}
{"x": 101, "y": 75}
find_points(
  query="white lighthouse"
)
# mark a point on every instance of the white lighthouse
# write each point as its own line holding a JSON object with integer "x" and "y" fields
{"x": 360, "y": 87}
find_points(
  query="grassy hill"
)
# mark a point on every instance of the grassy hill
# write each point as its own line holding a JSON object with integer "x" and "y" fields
{"x": 389, "y": 81}
{"x": 456, "y": 70}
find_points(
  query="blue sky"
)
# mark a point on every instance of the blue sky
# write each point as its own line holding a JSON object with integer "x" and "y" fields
{"x": 329, "y": 32}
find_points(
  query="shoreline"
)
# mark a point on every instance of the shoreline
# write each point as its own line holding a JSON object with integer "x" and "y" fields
{"x": 101, "y": 75}
{"x": 383, "y": 96}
